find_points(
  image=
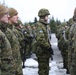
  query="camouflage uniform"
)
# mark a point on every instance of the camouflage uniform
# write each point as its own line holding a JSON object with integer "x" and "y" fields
{"x": 73, "y": 49}
{"x": 70, "y": 22}
{"x": 28, "y": 36}
{"x": 72, "y": 40}
{"x": 15, "y": 43}
{"x": 66, "y": 47}
{"x": 43, "y": 45}
{"x": 21, "y": 40}
{"x": 60, "y": 39}
{"x": 57, "y": 33}
{"x": 34, "y": 38}
{"x": 63, "y": 44}
{"x": 7, "y": 62}
{"x": 6, "y": 56}
{"x": 15, "y": 48}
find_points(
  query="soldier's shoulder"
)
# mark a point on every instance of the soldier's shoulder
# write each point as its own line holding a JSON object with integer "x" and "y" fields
{"x": 2, "y": 36}
{"x": 9, "y": 32}
{"x": 38, "y": 23}
{"x": 73, "y": 26}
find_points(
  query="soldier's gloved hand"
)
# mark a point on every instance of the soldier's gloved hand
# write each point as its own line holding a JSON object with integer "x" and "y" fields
{"x": 26, "y": 40}
{"x": 51, "y": 50}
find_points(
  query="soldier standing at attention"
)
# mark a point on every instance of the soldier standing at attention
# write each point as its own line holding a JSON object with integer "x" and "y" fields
{"x": 6, "y": 55}
{"x": 43, "y": 46}
{"x": 14, "y": 40}
{"x": 72, "y": 39}
{"x": 20, "y": 29}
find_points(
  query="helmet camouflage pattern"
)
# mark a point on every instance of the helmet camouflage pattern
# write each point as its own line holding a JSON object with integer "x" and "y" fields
{"x": 43, "y": 12}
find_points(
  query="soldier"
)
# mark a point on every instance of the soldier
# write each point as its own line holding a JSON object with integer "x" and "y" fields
{"x": 72, "y": 39}
{"x": 20, "y": 29}
{"x": 29, "y": 36}
{"x": 43, "y": 46}
{"x": 14, "y": 40}
{"x": 6, "y": 55}
{"x": 34, "y": 38}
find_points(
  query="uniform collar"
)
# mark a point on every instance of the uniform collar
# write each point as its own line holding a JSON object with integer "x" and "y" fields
{"x": 42, "y": 21}
{"x": 10, "y": 26}
{"x": 3, "y": 26}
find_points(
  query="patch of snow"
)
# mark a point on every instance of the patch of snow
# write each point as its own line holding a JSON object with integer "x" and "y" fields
{"x": 31, "y": 62}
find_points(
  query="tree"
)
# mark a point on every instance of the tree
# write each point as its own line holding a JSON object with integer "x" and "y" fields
{"x": 58, "y": 22}
{"x": 35, "y": 20}
{"x": 53, "y": 25}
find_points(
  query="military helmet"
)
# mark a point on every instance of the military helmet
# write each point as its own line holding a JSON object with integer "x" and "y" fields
{"x": 43, "y": 12}
{"x": 12, "y": 12}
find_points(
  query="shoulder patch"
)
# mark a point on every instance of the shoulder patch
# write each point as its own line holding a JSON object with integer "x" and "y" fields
{"x": 25, "y": 32}
{"x": 41, "y": 31}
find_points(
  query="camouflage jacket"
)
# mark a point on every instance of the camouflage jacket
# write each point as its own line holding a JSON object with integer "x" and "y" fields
{"x": 42, "y": 38}
{"x": 6, "y": 54}
{"x": 72, "y": 35}
{"x": 14, "y": 40}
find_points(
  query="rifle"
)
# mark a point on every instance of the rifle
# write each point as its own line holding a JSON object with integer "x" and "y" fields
{"x": 51, "y": 52}
{"x": 24, "y": 53}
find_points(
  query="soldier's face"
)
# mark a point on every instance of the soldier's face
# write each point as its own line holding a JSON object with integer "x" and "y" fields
{"x": 46, "y": 18}
{"x": 5, "y": 18}
{"x": 14, "y": 19}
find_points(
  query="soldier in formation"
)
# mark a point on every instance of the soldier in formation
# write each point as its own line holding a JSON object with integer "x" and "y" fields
{"x": 7, "y": 63}
{"x": 20, "y": 29}
{"x": 62, "y": 36}
{"x": 67, "y": 44}
{"x": 15, "y": 40}
{"x": 29, "y": 36}
{"x": 72, "y": 47}
{"x": 43, "y": 47}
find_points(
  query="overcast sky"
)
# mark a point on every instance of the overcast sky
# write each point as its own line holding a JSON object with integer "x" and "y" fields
{"x": 28, "y": 9}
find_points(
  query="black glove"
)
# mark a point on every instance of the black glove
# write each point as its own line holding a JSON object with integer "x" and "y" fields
{"x": 31, "y": 37}
{"x": 25, "y": 40}
{"x": 51, "y": 50}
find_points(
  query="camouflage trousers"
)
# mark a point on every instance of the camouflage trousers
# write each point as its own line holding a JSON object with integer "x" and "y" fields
{"x": 73, "y": 65}
{"x": 69, "y": 57}
{"x": 43, "y": 66}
